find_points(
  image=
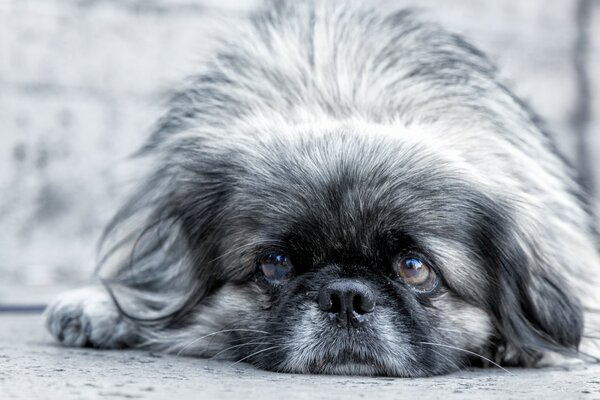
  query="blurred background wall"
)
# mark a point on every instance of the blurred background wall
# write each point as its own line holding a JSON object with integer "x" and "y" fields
{"x": 82, "y": 81}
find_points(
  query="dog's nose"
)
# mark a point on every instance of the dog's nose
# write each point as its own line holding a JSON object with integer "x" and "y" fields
{"x": 348, "y": 299}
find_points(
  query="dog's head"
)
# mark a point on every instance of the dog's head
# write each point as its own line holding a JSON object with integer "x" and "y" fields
{"x": 343, "y": 251}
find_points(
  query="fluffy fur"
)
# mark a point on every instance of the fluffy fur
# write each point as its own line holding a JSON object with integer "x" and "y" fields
{"x": 343, "y": 136}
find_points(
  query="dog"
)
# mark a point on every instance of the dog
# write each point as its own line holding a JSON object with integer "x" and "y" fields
{"x": 347, "y": 190}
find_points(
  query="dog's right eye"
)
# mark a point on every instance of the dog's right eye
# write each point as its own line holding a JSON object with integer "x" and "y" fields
{"x": 277, "y": 268}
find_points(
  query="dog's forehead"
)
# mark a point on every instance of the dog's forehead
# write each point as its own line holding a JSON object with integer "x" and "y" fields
{"x": 347, "y": 192}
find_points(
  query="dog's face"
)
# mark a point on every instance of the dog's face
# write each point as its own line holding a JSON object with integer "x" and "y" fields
{"x": 340, "y": 250}
{"x": 344, "y": 252}
{"x": 358, "y": 256}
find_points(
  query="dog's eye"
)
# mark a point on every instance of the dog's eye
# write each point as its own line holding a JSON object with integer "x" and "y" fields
{"x": 277, "y": 268}
{"x": 416, "y": 273}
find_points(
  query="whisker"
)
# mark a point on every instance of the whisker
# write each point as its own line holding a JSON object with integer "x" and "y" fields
{"x": 240, "y": 345}
{"x": 468, "y": 352}
{"x": 589, "y": 356}
{"x": 457, "y": 331}
{"x": 217, "y": 333}
{"x": 447, "y": 359}
{"x": 255, "y": 353}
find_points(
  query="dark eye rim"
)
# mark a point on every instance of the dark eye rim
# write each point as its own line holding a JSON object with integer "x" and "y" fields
{"x": 435, "y": 282}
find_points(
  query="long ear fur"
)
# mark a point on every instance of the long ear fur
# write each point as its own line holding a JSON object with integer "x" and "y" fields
{"x": 534, "y": 308}
{"x": 156, "y": 252}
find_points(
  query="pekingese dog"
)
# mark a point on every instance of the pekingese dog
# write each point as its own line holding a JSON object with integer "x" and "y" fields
{"x": 346, "y": 190}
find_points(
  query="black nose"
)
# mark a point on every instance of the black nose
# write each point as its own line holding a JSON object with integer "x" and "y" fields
{"x": 349, "y": 300}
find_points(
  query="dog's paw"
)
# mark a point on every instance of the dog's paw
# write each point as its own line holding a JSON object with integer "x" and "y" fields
{"x": 87, "y": 317}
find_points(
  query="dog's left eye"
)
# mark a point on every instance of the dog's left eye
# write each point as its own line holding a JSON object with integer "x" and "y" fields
{"x": 416, "y": 273}
{"x": 277, "y": 268}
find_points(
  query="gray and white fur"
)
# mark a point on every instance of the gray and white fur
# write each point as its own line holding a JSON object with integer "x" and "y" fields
{"x": 337, "y": 139}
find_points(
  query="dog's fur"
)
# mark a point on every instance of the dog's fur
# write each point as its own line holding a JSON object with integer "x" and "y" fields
{"x": 344, "y": 136}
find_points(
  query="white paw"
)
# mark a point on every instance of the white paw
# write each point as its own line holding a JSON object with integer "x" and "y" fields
{"x": 87, "y": 317}
{"x": 550, "y": 359}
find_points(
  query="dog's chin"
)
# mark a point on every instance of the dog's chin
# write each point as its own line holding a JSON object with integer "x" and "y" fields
{"x": 348, "y": 358}
{"x": 349, "y": 368}
{"x": 339, "y": 359}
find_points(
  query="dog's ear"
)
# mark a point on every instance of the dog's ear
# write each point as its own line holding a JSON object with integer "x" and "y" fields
{"x": 534, "y": 307}
{"x": 157, "y": 251}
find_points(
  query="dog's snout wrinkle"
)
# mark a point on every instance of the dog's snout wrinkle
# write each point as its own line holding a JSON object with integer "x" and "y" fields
{"x": 350, "y": 301}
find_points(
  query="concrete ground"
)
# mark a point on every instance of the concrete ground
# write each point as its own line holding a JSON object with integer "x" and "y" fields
{"x": 33, "y": 366}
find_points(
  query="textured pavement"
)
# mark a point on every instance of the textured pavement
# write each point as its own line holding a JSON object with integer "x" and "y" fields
{"x": 32, "y": 366}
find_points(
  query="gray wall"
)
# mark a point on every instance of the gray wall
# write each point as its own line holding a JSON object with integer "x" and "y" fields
{"x": 81, "y": 82}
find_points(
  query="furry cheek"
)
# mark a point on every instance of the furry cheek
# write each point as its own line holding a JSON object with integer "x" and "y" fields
{"x": 461, "y": 324}
{"x": 220, "y": 326}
